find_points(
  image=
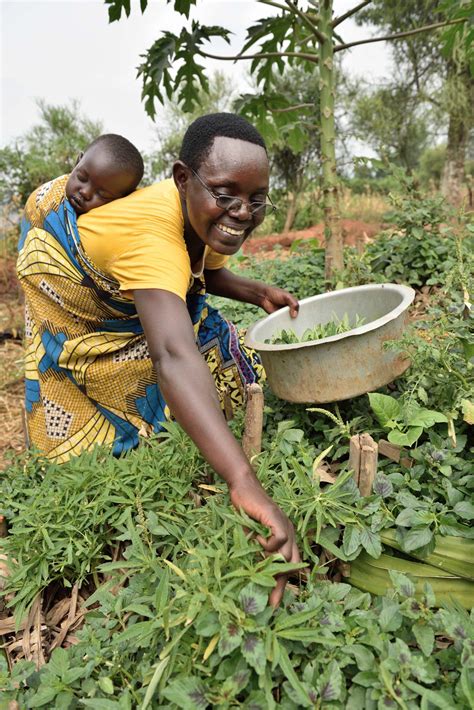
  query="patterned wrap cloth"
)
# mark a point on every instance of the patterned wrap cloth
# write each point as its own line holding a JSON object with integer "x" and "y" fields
{"x": 89, "y": 378}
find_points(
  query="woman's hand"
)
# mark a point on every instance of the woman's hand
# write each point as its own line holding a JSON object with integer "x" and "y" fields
{"x": 247, "y": 494}
{"x": 274, "y": 298}
{"x": 222, "y": 282}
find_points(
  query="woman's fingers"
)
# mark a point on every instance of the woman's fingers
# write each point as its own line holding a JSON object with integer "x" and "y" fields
{"x": 251, "y": 497}
{"x": 274, "y": 543}
{"x": 294, "y": 306}
{"x": 278, "y": 590}
{"x": 276, "y": 595}
{"x": 286, "y": 546}
{"x": 276, "y": 298}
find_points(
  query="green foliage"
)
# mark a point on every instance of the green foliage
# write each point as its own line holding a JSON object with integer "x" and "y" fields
{"x": 51, "y": 541}
{"x": 458, "y": 39}
{"x": 184, "y": 85}
{"x": 336, "y": 326}
{"x": 160, "y": 77}
{"x": 421, "y": 247}
{"x": 302, "y": 274}
{"x": 405, "y": 424}
{"x": 172, "y": 603}
{"x": 47, "y": 150}
{"x": 435, "y": 66}
{"x": 392, "y": 120}
{"x": 116, "y": 7}
{"x": 173, "y": 125}
{"x": 442, "y": 370}
{"x": 431, "y": 167}
{"x": 287, "y": 115}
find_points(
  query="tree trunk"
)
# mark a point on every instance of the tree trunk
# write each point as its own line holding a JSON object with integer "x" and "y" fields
{"x": 291, "y": 211}
{"x": 332, "y": 227}
{"x": 460, "y": 121}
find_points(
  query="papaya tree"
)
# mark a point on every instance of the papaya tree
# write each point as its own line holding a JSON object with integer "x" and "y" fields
{"x": 303, "y": 32}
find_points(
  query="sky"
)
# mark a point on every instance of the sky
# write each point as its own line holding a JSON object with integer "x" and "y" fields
{"x": 59, "y": 50}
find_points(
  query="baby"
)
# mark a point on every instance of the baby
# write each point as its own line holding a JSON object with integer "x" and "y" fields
{"x": 111, "y": 167}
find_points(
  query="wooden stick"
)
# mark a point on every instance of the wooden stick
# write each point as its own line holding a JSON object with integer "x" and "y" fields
{"x": 354, "y": 457}
{"x": 228, "y": 408}
{"x": 391, "y": 451}
{"x": 252, "y": 438}
{"x": 3, "y": 526}
{"x": 368, "y": 464}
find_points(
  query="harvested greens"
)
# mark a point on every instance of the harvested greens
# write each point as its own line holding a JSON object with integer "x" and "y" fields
{"x": 336, "y": 326}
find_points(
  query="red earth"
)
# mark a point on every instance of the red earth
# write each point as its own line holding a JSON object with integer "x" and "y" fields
{"x": 353, "y": 231}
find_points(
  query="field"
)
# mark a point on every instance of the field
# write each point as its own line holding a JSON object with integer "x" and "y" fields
{"x": 131, "y": 583}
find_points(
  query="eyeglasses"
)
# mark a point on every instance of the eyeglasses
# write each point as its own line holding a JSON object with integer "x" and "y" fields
{"x": 231, "y": 204}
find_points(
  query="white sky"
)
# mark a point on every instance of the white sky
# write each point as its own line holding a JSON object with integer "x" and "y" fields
{"x": 65, "y": 49}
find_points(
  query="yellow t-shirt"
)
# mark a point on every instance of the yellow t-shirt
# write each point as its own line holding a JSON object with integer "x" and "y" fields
{"x": 138, "y": 240}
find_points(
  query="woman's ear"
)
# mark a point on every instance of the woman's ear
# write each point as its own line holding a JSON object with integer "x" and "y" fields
{"x": 181, "y": 177}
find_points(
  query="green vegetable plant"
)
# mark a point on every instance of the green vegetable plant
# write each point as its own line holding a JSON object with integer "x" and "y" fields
{"x": 336, "y": 326}
{"x": 175, "y": 584}
{"x": 405, "y": 423}
{"x": 419, "y": 249}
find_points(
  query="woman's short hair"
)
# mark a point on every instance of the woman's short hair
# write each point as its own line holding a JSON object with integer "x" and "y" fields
{"x": 199, "y": 137}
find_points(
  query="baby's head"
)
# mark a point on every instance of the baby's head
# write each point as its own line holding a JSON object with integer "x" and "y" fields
{"x": 111, "y": 167}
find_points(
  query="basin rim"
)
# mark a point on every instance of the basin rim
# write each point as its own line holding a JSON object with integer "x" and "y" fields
{"x": 407, "y": 293}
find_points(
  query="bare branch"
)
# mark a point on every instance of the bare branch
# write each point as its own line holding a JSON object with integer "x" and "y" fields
{"x": 291, "y": 108}
{"x": 319, "y": 35}
{"x": 262, "y": 55}
{"x": 274, "y": 4}
{"x": 399, "y": 35}
{"x": 337, "y": 20}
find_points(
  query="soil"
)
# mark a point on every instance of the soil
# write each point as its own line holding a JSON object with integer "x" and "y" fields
{"x": 354, "y": 232}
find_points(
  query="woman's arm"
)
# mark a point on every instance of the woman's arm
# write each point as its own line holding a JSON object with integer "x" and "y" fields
{"x": 189, "y": 391}
{"x": 222, "y": 282}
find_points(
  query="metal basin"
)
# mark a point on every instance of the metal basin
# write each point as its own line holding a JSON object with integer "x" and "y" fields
{"x": 341, "y": 366}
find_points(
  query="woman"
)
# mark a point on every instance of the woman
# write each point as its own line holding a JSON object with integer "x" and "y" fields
{"x": 116, "y": 306}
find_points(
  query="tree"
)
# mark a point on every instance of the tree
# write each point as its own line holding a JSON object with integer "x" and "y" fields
{"x": 47, "y": 150}
{"x": 302, "y": 33}
{"x": 392, "y": 120}
{"x": 440, "y": 67}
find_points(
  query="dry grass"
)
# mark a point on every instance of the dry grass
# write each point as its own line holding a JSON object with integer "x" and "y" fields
{"x": 365, "y": 207}
{"x": 12, "y": 439}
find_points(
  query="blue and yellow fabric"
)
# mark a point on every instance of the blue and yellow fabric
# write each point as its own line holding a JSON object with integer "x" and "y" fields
{"x": 89, "y": 378}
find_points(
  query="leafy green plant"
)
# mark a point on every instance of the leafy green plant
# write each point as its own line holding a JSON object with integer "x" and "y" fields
{"x": 405, "y": 423}
{"x": 194, "y": 640}
{"x": 177, "y": 613}
{"x": 302, "y": 275}
{"x": 420, "y": 249}
{"x": 336, "y": 326}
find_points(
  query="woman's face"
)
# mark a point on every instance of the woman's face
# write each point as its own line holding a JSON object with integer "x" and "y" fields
{"x": 233, "y": 167}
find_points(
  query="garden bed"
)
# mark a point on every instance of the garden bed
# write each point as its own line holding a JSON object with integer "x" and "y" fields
{"x": 134, "y": 585}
